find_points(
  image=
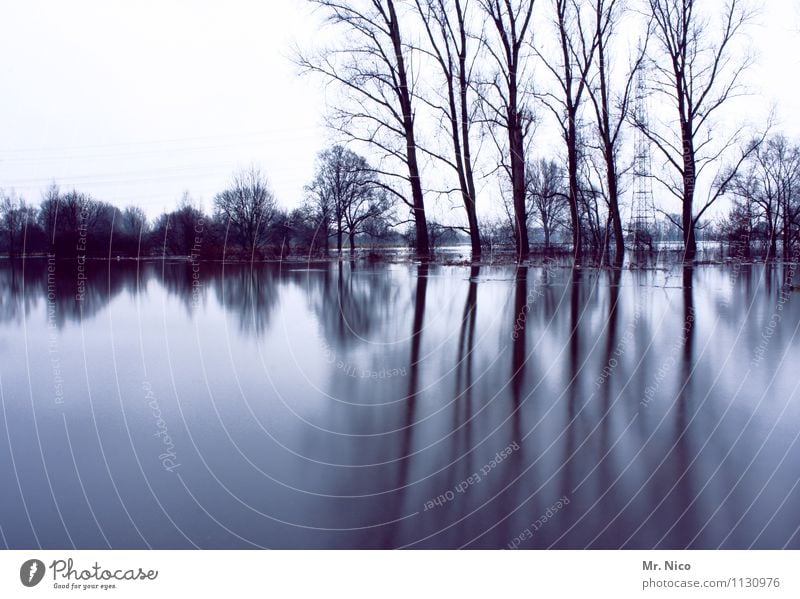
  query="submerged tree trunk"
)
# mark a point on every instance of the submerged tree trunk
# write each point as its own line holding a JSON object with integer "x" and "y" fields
{"x": 511, "y": 22}
{"x": 517, "y": 145}
{"x": 613, "y": 208}
{"x": 574, "y": 191}
{"x": 446, "y": 28}
{"x": 372, "y": 65}
{"x": 469, "y": 176}
{"x": 687, "y": 214}
{"x": 404, "y": 97}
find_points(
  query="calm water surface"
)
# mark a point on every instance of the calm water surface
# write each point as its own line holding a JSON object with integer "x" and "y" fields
{"x": 169, "y": 406}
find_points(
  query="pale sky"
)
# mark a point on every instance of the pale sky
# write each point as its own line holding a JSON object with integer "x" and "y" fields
{"x": 135, "y": 102}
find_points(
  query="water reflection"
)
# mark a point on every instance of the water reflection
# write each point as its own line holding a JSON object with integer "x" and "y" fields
{"x": 349, "y": 405}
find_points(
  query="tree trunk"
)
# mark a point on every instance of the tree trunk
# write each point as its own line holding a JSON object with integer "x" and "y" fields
{"x": 603, "y": 111}
{"x": 572, "y": 166}
{"x": 352, "y": 244}
{"x": 616, "y": 218}
{"x": 404, "y": 97}
{"x": 516, "y": 145}
{"x": 326, "y": 241}
{"x": 469, "y": 177}
{"x": 474, "y": 232}
{"x": 689, "y": 180}
{"x": 423, "y": 243}
{"x": 773, "y": 241}
{"x": 787, "y": 250}
{"x": 521, "y": 221}
{"x": 689, "y": 240}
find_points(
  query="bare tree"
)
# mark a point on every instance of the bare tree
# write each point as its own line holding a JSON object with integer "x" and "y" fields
{"x": 316, "y": 215}
{"x": 370, "y": 66}
{"x": 698, "y": 72}
{"x": 15, "y": 215}
{"x": 577, "y": 44}
{"x": 504, "y": 99}
{"x": 80, "y": 217}
{"x": 133, "y": 221}
{"x": 769, "y": 187}
{"x": 742, "y": 226}
{"x": 592, "y": 204}
{"x": 48, "y": 213}
{"x": 611, "y": 106}
{"x": 248, "y": 207}
{"x": 363, "y": 211}
{"x": 177, "y": 231}
{"x": 342, "y": 191}
{"x": 547, "y": 198}
{"x": 449, "y": 44}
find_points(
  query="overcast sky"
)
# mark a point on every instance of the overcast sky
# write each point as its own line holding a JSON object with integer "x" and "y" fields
{"x": 135, "y": 102}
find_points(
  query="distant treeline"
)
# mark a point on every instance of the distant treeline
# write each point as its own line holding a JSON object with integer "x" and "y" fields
{"x": 246, "y": 223}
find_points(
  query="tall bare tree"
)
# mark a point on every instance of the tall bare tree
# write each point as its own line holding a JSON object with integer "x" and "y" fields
{"x": 577, "y": 44}
{"x": 697, "y": 70}
{"x": 612, "y": 105}
{"x": 445, "y": 23}
{"x": 505, "y": 98}
{"x": 371, "y": 67}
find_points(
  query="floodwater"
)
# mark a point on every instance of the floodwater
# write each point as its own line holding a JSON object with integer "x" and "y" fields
{"x": 177, "y": 405}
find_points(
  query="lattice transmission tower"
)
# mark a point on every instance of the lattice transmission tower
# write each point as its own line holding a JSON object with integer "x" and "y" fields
{"x": 642, "y": 229}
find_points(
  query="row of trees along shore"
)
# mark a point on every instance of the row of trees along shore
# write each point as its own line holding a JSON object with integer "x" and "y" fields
{"x": 452, "y": 92}
{"x": 436, "y": 81}
{"x": 246, "y": 221}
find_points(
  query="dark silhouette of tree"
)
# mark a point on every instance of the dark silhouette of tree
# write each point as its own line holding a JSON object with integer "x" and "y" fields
{"x": 134, "y": 221}
{"x": 767, "y": 188}
{"x": 741, "y": 226}
{"x": 308, "y": 230}
{"x": 15, "y": 215}
{"x": 450, "y": 46}
{"x": 48, "y": 213}
{"x": 547, "y": 198}
{"x": 131, "y": 230}
{"x": 595, "y": 222}
{"x": 248, "y": 208}
{"x": 698, "y": 71}
{"x": 179, "y": 231}
{"x": 340, "y": 192}
{"x": 371, "y": 67}
{"x": 612, "y": 105}
{"x": 504, "y": 99}
{"x": 577, "y": 44}
{"x": 75, "y": 223}
{"x": 367, "y": 208}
